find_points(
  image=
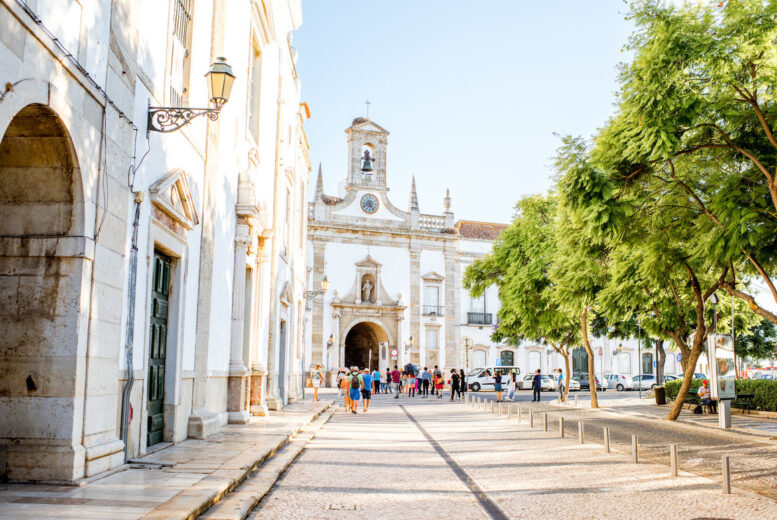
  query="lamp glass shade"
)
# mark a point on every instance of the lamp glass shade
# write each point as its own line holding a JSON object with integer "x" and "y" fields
{"x": 324, "y": 283}
{"x": 411, "y": 340}
{"x": 220, "y": 79}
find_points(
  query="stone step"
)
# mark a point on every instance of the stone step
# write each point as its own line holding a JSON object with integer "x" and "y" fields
{"x": 200, "y": 497}
{"x": 238, "y": 504}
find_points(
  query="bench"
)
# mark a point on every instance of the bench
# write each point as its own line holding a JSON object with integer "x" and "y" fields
{"x": 692, "y": 397}
{"x": 743, "y": 401}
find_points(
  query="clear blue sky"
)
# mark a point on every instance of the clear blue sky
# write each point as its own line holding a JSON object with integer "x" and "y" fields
{"x": 471, "y": 91}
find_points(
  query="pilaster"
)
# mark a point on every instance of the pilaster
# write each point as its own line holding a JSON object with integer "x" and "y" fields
{"x": 415, "y": 304}
{"x": 317, "y": 335}
{"x": 451, "y": 343}
{"x": 237, "y": 383}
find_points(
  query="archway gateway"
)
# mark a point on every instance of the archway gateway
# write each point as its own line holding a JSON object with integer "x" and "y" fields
{"x": 44, "y": 270}
{"x": 362, "y": 346}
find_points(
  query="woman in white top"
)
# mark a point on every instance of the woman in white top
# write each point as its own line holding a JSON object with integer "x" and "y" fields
{"x": 318, "y": 379}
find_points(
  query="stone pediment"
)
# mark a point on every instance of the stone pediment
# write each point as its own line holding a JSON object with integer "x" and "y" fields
{"x": 368, "y": 262}
{"x": 366, "y": 125}
{"x": 432, "y": 276}
{"x": 173, "y": 196}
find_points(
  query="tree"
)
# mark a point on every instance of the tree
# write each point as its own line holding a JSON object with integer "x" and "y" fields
{"x": 760, "y": 342}
{"x": 701, "y": 90}
{"x": 518, "y": 265}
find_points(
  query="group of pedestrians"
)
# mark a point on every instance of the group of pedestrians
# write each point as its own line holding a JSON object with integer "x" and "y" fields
{"x": 356, "y": 384}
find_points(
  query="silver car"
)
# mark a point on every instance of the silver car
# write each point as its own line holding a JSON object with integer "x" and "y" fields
{"x": 619, "y": 382}
{"x": 548, "y": 383}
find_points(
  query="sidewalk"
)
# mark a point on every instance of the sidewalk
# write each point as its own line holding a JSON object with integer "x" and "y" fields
{"x": 646, "y": 408}
{"x": 179, "y": 481}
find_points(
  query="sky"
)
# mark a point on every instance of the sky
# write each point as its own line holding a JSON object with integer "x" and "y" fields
{"x": 475, "y": 93}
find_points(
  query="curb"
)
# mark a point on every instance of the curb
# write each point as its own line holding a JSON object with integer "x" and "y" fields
{"x": 197, "y": 499}
{"x": 242, "y": 501}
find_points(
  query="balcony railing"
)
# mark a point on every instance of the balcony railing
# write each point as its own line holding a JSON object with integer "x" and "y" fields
{"x": 479, "y": 318}
{"x": 434, "y": 310}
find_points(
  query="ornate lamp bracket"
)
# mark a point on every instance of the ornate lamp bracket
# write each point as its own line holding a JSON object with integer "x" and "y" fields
{"x": 170, "y": 119}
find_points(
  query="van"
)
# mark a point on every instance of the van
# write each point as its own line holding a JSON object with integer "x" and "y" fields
{"x": 483, "y": 378}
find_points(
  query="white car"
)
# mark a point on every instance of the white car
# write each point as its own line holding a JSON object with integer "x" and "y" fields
{"x": 548, "y": 383}
{"x": 483, "y": 378}
{"x": 619, "y": 382}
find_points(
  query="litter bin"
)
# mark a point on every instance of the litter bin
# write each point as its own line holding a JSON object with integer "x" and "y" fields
{"x": 660, "y": 395}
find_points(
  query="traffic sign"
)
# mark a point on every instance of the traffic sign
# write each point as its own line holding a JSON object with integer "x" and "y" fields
{"x": 655, "y": 364}
{"x": 499, "y": 362}
{"x": 601, "y": 352}
{"x": 394, "y": 353}
{"x": 679, "y": 358}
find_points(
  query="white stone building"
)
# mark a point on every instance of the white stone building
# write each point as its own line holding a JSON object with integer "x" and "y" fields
{"x": 394, "y": 293}
{"x": 213, "y": 325}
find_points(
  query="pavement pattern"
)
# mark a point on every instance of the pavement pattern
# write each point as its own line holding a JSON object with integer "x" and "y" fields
{"x": 447, "y": 460}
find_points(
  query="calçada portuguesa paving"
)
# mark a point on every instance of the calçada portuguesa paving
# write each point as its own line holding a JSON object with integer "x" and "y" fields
{"x": 448, "y": 460}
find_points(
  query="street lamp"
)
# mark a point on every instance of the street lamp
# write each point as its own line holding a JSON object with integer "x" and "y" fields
{"x": 409, "y": 344}
{"x": 309, "y": 295}
{"x": 169, "y": 119}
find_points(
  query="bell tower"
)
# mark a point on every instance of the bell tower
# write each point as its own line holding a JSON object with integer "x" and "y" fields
{"x": 366, "y": 155}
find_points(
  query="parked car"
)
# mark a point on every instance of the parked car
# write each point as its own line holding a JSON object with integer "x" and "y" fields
{"x": 669, "y": 378}
{"x": 584, "y": 384}
{"x": 643, "y": 382}
{"x": 548, "y": 383}
{"x": 619, "y": 382}
{"x": 574, "y": 385}
{"x": 696, "y": 375}
{"x": 765, "y": 376}
{"x": 483, "y": 378}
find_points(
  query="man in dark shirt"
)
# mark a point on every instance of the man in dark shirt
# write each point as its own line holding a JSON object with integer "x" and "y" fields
{"x": 396, "y": 376}
{"x": 536, "y": 384}
{"x": 454, "y": 384}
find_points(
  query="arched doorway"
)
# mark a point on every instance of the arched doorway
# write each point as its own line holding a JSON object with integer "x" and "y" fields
{"x": 362, "y": 345}
{"x": 44, "y": 266}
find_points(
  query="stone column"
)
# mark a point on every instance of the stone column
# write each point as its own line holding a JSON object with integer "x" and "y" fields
{"x": 452, "y": 357}
{"x": 258, "y": 369}
{"x": 317, "y": 324}
{"x": 237, "y": 383}
{"x": 415, "y": 303}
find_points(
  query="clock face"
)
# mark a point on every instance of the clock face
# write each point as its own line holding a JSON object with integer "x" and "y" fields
{"x": 369, "y": 203}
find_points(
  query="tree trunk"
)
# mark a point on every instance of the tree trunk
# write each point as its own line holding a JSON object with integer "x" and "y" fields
{"x": 591, "y": 373}
{"x": 661, "y": 361}
{"x": 687, "y": 378}
{"x": 566, "y": 375}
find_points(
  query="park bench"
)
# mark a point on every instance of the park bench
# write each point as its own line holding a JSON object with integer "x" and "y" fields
{"x": 743, "y": 401}
{"x": 692, "y": 397}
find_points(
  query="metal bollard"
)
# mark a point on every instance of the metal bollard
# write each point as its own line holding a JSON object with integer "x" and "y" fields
{"x": 493, "y": 406}
{"x": 520, "y": 415}
{"x": 561, "y": 427}
{"x": 635, "y": 449}
{"x": 673, "y": 459}
{"x": 575, "y": 400}
{"x": 580, "y": 432}
{"x": 545, "y": 421}
{"x": 606, "y": 432}
{"x": 531, "y": 418}
{"x": 726, "y": 464}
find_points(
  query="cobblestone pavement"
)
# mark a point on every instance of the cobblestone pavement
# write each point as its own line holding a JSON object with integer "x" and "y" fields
{"x": 446, "y": 460}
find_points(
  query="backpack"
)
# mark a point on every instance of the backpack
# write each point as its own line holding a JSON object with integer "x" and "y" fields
{"x": 355, "y": 382}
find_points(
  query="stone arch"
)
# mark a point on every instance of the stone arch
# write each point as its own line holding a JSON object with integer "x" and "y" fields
{"x": 362, "y": 338}
{"x": 45, "y": 261}
{"x": 374, "y": 321}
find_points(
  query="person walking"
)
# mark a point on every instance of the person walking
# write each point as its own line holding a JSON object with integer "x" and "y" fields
{"x": 462, "y": 381}
{"x": 355, "y": 390}
{"x": 410, "y": 384}
{"x": 435, "y": 374}
{"x": 396, "y": 378}
{"x": 386, "y": 381}
{"x": 345, "y": 389}
{"x": 455, "y": 379}
{"x": 426, "y": 378}
{"x": 560, "y": 384}
{"x": 498, "y": 385}
{"x": 511, "y": 387}
{"x": 376, "y": 381}
{"x": 536, "y": 385}
{"x": 318, "y": 379}
{"x": 438, "y": 382}
{"x": 366, "y": 389}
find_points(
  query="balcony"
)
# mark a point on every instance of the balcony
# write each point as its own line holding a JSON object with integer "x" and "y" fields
{"x": 434, "y": 310}
{"x": 479, "y": 318}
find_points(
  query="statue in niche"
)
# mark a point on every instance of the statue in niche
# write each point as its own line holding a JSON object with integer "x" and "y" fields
{"x": 366, "y": 290}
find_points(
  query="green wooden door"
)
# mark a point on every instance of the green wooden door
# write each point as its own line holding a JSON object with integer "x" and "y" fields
{"x": 160, "y": 293}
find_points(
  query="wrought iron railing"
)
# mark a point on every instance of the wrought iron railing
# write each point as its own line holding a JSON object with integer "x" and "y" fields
{"x": 479, "y": 318}
{"x": 434, "y": 310}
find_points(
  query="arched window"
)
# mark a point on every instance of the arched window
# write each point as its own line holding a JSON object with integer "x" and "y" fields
{"x": 479, "y": 358}
{"x": 507, "y": 357}
{"x": 647, "y": 363}
{"x": 624, "y": 363}
{"x": 579, "y": 362}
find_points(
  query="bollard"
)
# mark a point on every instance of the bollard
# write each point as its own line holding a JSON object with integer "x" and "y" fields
{"x": 561, "y": 427}
{"x": 726, "y": 466}
{"x": 531, "y": 418}
{"x": 580, "y": 432}
{"x": 635, "y": 449}
{"x": 673, "y": 459}
{"x": 606, "y": 431}
{"x": 520, "y": 415}
{"x": 493, "y": 405}
{"x": 509, "y": 412}
{"x": 545, "y": 421}
{"x": 575, "y": 400}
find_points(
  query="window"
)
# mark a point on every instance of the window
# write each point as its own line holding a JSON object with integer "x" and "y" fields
{"x": 302, "y": 217}
{"x": 478, "y": 304}
{"x": 431, "y": 295}
{"x": 579, "y": 361}
{"x": 507, "y": 357}
{"x": 479, "y": 358}
{"x": 287, "y": 223}
{"x": 181, "y": 49}
{"x": 624, "y": 363}
{"x": 255, "y": 93}
{"x": 647, "y": 363}
{"x": 432, "y": 335}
